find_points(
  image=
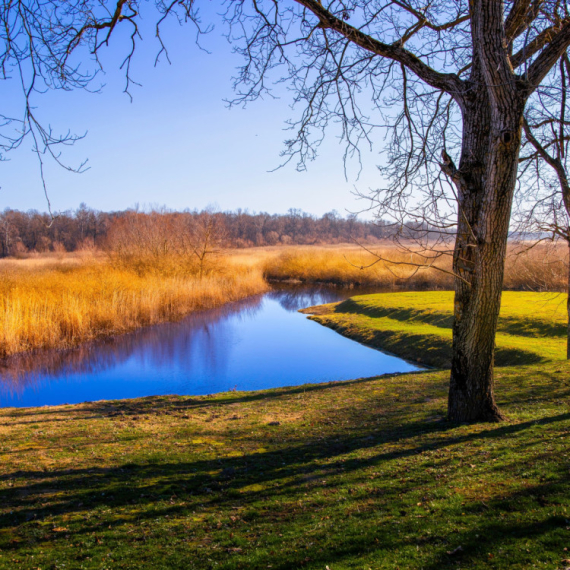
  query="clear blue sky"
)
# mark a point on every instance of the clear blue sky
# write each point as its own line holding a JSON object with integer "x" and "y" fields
{"x": 177, "y": 144}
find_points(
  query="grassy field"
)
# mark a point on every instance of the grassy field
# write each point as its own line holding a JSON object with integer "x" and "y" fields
{"x": 417, "y": 326}
{"x": 356, "y": 475}
{"x": 365, "y": 474}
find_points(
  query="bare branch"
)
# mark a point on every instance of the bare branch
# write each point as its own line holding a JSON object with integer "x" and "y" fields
{"x": 448, "y": 82}
{"x": 556, "y": 47}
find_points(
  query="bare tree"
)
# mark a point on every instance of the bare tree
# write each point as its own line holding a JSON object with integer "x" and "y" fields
{"x": 544, "y": 205}
{"x": 203, "y": 236}
{"x": 166, "y": 242}
{"x": 450, "y": 78}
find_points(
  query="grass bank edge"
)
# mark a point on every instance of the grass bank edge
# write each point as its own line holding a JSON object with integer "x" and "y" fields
{"x": 416, "y": 326}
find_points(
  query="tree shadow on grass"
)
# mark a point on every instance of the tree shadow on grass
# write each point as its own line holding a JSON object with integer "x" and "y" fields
{"x": 435, "y": 349}
{"x": 308, "y": 488}
{"x": 518, "y": 326}
{"x": 403, "y": 314}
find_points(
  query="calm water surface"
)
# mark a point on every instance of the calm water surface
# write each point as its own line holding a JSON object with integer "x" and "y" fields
{"x": 258, "y": 343}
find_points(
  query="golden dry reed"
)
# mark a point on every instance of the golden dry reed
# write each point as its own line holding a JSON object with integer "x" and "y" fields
{"x": 63, "y": 301}
{"x": 351, "y": 265}
{"x": 541, "y": 268}
{"x": 60, "y": 305}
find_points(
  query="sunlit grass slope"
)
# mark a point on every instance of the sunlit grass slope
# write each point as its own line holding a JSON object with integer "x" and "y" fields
{"x": 417, "y": 326}
{"x": 59, "y": 305}
{"x": 356, "y": 475}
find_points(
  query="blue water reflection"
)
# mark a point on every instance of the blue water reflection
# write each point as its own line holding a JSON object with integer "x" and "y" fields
{"x": 258, "y": 343}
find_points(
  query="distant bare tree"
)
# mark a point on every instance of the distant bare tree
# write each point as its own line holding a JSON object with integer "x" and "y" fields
{"x": 204, "y": 235}
{"x": 165, "y": 241}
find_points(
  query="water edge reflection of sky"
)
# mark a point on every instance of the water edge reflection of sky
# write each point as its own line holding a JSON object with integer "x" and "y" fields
{"x": 258, "y": 343}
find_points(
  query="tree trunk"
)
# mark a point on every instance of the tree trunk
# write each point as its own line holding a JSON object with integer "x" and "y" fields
{"x": 485, "y": 182}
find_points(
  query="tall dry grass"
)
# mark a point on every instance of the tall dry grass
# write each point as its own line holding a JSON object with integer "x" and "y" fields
{"x": 59, "y": 305}
{"x": 59, "y": 302}
{"x": 542, "y": 268}
{"x": 351, "y": 265}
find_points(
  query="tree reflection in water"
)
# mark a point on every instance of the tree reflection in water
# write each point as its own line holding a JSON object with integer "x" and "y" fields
{"x": 295, "y": 297}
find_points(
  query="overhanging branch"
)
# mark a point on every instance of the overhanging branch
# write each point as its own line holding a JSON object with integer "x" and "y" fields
{"x": 447, "y": 82}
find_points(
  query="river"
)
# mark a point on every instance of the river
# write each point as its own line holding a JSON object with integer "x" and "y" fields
{"x": 261, "y": 342}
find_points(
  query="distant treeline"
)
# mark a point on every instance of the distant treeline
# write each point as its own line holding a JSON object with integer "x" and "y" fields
{"x": 28, "y": 232}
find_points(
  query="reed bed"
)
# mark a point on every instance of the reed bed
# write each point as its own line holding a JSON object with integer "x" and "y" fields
{"x": 60, "y": 302}
{"x": 62, "y": 305}
{"x": 350, "y": 266}
{"x": 541, "y": 268}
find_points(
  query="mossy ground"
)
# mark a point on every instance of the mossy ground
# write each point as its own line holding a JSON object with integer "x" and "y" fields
{"x": 365, "y": 474}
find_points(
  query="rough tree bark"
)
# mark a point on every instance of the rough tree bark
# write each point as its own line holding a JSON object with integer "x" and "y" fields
{"x": 493, "y": 111}
{"x": 485, "y": 182}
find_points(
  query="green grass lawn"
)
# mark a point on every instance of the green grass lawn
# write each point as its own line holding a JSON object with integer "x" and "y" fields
{"x": 365, "y": 474}
{"x": 417, "y": 326}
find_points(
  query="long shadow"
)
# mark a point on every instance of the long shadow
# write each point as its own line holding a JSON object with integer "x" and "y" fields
{"x": 221, "y": 483}
{"x": 299, "y": 464}
{"x": 258, "y": 468}
{"x": 528, "y": 327}
{"x": 442, "y": 320}
{"x": 492, "y": 534}
{"x": 439, "y": 349}
{"x": 435, "y": 350}
{"x": 532, "y": 327}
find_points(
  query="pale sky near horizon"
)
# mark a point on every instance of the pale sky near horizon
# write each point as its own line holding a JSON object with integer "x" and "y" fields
{"x": 177, "y": 144}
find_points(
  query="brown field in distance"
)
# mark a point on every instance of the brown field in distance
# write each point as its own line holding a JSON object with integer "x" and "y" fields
{"x": 59, "y": 300}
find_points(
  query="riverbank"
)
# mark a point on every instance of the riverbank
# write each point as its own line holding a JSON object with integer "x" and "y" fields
{"x": 258, "y": 343}
{"x": 360, "y": 474}
{"x": 416, "y": 326}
